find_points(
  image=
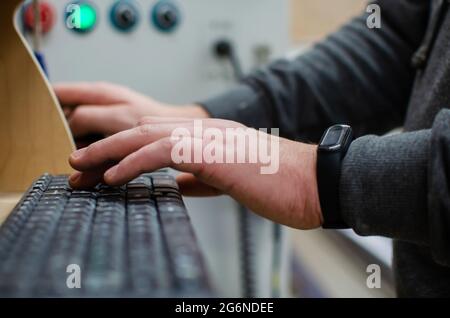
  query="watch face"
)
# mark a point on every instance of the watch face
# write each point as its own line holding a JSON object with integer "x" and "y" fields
{"x": 335, "y": 138}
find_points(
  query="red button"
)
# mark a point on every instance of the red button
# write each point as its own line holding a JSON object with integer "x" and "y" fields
{"x": 47, "y": 16}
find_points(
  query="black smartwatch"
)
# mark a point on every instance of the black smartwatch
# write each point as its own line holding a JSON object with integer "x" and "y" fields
{"x": 332, "y": 149}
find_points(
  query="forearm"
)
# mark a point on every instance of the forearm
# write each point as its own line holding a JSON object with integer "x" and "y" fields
{"x": 397, "y": 186}
{"x": 357, "y": 76}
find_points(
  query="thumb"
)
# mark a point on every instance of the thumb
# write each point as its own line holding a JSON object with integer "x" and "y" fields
{"x": 191, "y": 186}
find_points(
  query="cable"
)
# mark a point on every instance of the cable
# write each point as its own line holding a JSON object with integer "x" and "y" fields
{"x": 247, "y": 253}
{"x": 276, "y": 260}
{"x": 225, "y": 49}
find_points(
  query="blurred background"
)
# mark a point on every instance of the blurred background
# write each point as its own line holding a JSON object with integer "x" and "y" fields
{"x": 181, "y": 51}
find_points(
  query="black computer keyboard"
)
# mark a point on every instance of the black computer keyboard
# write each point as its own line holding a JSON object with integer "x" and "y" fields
{"x": 130, "y": 241}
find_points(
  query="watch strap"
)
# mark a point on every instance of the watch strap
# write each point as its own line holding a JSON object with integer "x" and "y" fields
{"x": 328, "y": 176}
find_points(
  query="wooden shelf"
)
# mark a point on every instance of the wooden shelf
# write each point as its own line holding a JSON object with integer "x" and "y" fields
{"x": 34, "y": 135}
{"x": 7, "y": 202}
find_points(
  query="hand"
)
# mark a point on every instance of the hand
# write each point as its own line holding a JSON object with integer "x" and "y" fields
{"x": 105, "y": 109}
{"x": 288, "y": 196}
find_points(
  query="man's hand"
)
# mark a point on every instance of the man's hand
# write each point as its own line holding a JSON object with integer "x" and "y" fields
{"x": 104, "y": 108}
{"x": 288, "y": 196}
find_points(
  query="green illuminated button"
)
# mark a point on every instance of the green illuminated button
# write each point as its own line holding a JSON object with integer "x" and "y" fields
{"x": 81, "y": 16}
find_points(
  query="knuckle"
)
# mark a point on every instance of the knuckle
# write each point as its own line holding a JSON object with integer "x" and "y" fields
{"x": 166, "y": 144}
{"x": 78, "y": 115}
{"x": 91, "y": 150}
{"x": 145, "y": 130}
{"x": 165, "y": 153}
{"x": 77, "y": 112}
{"x": 206, "y": 172}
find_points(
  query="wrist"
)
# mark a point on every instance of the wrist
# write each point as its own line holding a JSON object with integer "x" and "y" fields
{"x": 307, "y": 190}
{"x": 312, "y": 186}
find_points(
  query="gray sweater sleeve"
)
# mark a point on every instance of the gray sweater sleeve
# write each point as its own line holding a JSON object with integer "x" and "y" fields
{"x": 399, "y": 186}
{"x": 356, "y": 76}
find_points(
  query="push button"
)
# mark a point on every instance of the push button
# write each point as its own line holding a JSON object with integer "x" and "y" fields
{"x": 81, "y": 16}
{"x": 124, "y": 15}
{"x": 47, "y": 14}
{"x": 165, "y": 16}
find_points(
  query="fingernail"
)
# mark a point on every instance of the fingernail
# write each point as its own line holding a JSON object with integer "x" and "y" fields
{"x": 75, "y": 177}
{"x": 77, "y": 154}
{"x": 111, "y": 173}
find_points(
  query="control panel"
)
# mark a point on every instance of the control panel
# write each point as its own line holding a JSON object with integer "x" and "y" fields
{"x": 158, "y": 46}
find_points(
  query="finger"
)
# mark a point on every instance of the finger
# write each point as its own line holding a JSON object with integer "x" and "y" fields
{"x": 149, "y": 120}
{"x": 67, "y": 111}
{"x": 149, "y": 158}
{"x": 89, "y": 93}
{"x": 85, "y": 180}
{"x": 88, "y": 179}
{"x": 159, "y": 120}
{"x": 192, "y": 186}
{"x": 206, "y": 122}
{"x": 85, "y": 141}
{"x": 90, "y": 119}
{"x": 118, "y": 146}
{"x": 152, "y": 157}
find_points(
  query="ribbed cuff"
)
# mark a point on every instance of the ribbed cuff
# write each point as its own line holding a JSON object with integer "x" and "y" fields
{"x": 383, "y": 186}
{"x": 439, "y": 188}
